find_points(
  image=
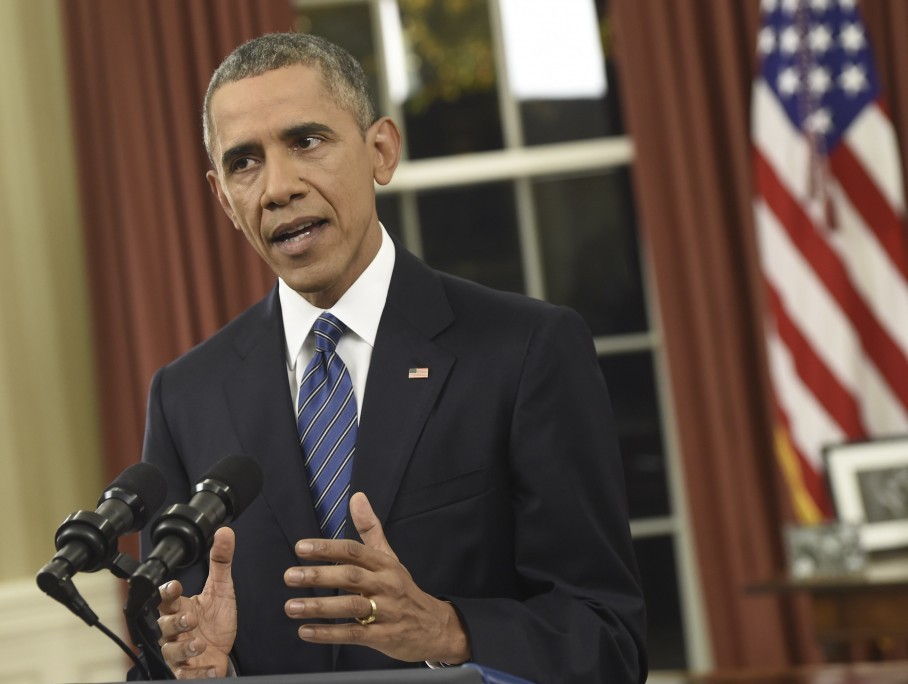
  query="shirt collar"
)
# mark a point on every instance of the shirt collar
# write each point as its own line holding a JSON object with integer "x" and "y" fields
{"x": 360, "y": 307}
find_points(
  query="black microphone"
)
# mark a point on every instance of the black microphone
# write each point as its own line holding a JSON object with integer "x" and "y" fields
{"x": 88, "y": 540}
{"x": 182, "y": 534}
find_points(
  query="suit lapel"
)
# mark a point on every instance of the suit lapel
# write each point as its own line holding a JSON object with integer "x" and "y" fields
{"x": 396, "y": 407}
{"x": 258, "y": 395}
{"x": 394, "y": 411}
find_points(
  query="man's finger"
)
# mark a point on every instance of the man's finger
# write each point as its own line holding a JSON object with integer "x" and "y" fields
{"x": 221, "y": 557}
{"x": 352, "y": 578}
{"x": 171, "y": 593}
{"x": 176, "y": 652}
{"x": 332, "y": 607}
{"x": 368, "y": 525}
{"x": 195, "y": 672}
{"x": 173, "y": 625}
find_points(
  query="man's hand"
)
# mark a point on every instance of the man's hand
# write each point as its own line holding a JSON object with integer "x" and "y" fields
{"x": 410, "y": 625}
{"x": 199, "y": 632}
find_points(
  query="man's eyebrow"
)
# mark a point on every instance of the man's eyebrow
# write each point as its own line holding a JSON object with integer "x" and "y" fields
{"x": 306, "y": 129}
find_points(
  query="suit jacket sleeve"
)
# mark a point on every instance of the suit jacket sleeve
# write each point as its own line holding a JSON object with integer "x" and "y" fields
{"x": 160, "y": 450}
{"x": 583, "y": 620}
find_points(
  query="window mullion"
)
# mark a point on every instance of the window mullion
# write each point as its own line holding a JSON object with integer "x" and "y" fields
{"x": 512, "y": 129}
{"x": 409, "y": 209}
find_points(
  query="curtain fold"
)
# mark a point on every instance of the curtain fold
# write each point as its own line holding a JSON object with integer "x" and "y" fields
{"x": 686, "y": 71}
{"x": 166, "y": 268}
{"x": 886, "y": 21}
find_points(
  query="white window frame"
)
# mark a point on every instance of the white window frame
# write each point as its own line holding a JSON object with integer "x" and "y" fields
{"x": 521, "y": 164}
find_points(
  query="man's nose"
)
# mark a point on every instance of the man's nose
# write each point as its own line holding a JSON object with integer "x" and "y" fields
{"x": 283, "y": 182}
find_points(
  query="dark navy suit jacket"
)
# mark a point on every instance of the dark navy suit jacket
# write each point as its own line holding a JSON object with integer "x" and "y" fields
{"x": 497, "y": 478}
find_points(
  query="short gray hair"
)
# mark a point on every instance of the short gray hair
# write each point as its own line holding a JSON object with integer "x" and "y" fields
{"x": 342, "y": 75}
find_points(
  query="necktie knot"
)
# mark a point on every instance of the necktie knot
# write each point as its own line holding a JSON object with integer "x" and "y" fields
{"x": 327, "y": 332}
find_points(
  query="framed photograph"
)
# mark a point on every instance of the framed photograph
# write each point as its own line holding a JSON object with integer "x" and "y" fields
{"x": 825, "y": 550}
{"x": 869, "y": 486}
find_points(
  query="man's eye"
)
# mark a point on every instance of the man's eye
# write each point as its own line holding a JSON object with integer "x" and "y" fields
{"x": 307, "y": 143}
{"x": 240, "y": 164}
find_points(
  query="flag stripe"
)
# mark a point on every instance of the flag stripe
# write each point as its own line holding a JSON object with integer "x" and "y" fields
{"x": 865, "y": 195}
{"x": 838, "y": 401}
{"x": 821, "y": 321}
{"x": 781, "y": 145}
{"x": 872, "y": 271}
{"x": 872, "y": 140}
{"x": 814, "y": 427}
{"x": 877, "y": 344}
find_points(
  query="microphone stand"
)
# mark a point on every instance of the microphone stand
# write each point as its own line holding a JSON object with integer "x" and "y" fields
{"x": 141, "y": 611}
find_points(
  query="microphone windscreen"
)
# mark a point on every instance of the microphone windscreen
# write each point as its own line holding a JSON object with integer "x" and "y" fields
{"x": 144, "y": 482}
{"x": 242, "y": 474}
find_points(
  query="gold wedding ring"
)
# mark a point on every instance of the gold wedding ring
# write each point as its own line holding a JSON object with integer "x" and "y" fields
{"x": 370, "y": 618}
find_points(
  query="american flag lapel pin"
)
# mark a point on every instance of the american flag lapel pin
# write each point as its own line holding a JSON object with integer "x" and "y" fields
{"x": 417, "y": 373}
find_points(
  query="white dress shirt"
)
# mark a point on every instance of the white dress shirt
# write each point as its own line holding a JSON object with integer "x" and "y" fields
{"x": 359, "y": 308}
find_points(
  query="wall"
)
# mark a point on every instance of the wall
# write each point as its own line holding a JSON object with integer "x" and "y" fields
{"x": 41, "y": 642}
{"x": 49, "y": 452}
{"x": 49, "y": 448}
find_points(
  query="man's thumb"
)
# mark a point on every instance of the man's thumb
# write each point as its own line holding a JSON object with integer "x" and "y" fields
{"x": 221, "y": 555}
{"x": 368, "y": 524}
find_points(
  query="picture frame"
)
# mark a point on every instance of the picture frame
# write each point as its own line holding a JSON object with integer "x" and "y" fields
{"x": 868, "y": 481}
{"x": 824, "y": 550}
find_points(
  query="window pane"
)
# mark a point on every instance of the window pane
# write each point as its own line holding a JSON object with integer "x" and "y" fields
{"x": 388, "y": 208}
{"x": 452, "y": 106}
{"x": 348, "y": 25}
{"x": 591, "y": 261}
{"x": 572, "y": 93}
{"x": 659, "y": 575}
{"x": 632, "y": 386}
{"x": 472, "y": 232}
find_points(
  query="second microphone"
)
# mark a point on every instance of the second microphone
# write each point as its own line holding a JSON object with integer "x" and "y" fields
{"x": 182, "y": 534}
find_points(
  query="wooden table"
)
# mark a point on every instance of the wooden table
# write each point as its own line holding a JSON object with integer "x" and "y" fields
{"x": 856, "y": 613}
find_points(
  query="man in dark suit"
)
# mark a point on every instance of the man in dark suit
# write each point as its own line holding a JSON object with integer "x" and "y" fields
{"x": 487, "y": 520}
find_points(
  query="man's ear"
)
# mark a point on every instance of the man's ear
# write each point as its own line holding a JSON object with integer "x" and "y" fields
{"x": 384, "y": 138}
{"x": 215, "y": 184}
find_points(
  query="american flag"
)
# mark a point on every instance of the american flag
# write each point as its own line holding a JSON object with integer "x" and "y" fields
{"x": 832, "y": 239}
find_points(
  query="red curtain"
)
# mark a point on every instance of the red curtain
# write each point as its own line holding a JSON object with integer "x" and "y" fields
{"x": 886, "y": 22}
{"x": 685, "y": 70}
{"x": 166, "y": 268}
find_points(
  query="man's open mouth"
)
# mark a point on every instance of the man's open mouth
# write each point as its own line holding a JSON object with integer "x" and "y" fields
{"x": 300, "y": 232}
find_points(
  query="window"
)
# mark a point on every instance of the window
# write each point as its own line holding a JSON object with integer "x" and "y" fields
{"x": 516, "y": 175}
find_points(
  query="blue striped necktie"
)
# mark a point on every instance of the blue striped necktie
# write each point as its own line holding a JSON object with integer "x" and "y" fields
{"x": 326, "y": 419}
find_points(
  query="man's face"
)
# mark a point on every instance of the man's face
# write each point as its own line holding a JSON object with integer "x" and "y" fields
{"x": 293, "y": 172}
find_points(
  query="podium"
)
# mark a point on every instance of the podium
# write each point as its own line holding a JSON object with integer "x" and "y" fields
{"x": 463, "y": 674}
